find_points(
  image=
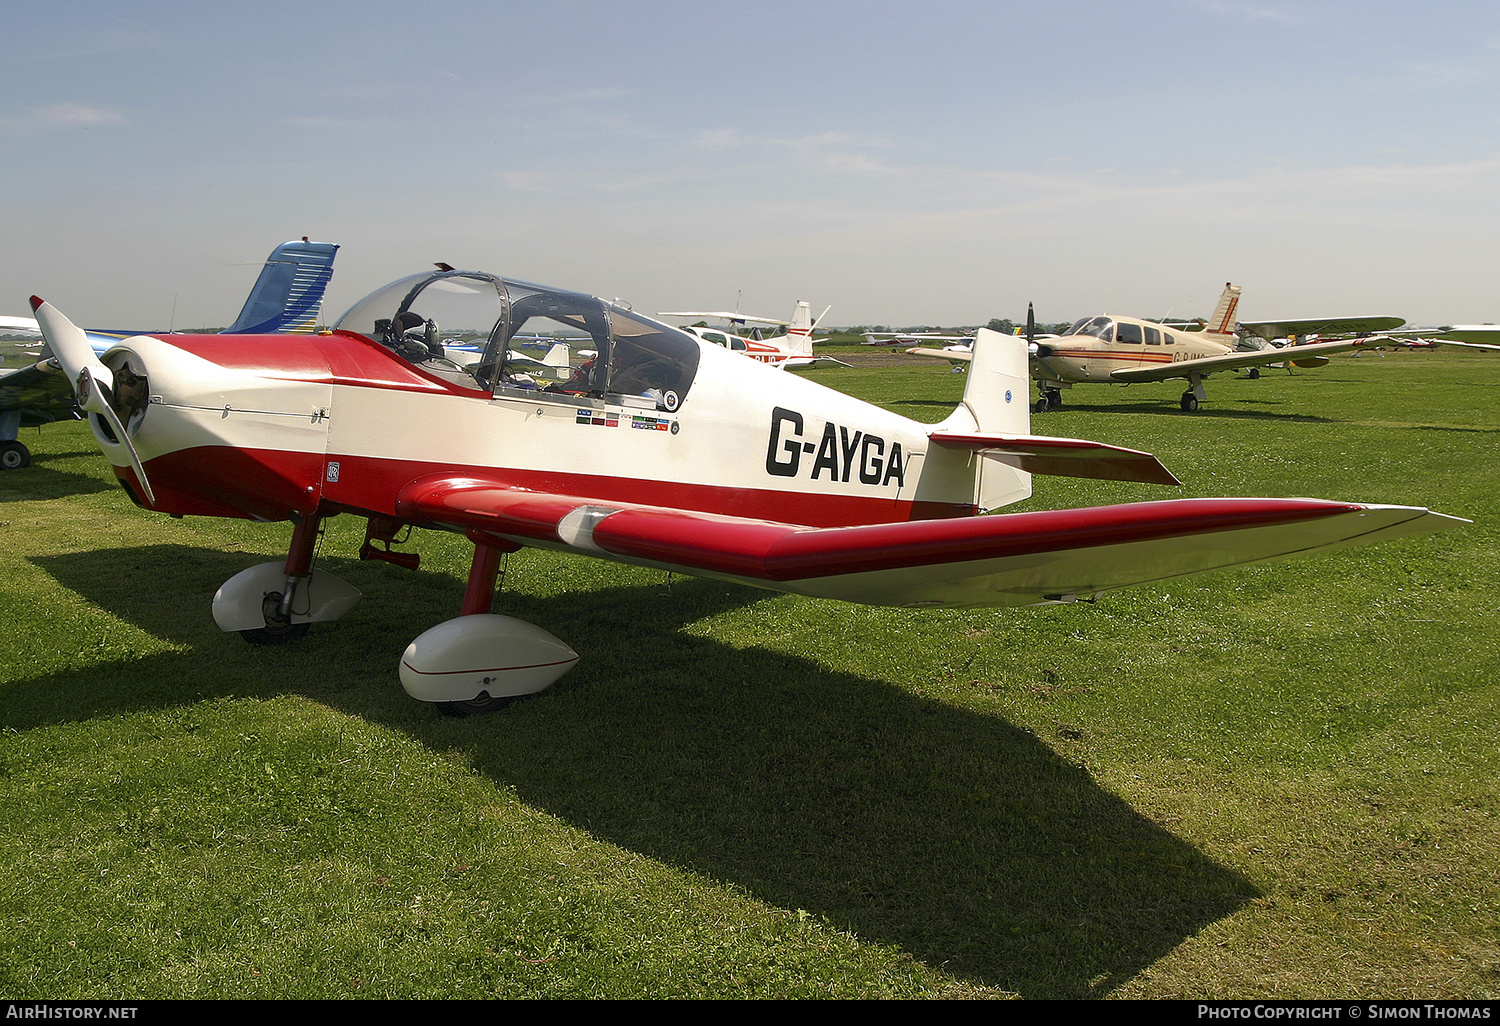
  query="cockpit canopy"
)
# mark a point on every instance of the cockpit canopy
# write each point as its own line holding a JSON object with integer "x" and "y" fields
{"x": 1108, "y": 329}
{"x": 1097, "y": 327}
{"x": 510, "y": 336}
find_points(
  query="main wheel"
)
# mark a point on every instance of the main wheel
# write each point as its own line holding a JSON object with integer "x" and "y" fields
{"x": 1189, "y": 402}
{"x": 476, "y": 706}
{"x": 14, "y": 456}
{"x": 279, "y": 629}
{"x": 276, "y": 635}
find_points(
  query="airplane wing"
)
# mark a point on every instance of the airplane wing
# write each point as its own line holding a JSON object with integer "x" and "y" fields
{"x": 737, "y": 317}
{"x": 1322, "y": 326}
{"x": 794, "y": 362}
{"x": 1471, "y": 336}
{"x": 1005, "y": 560}
{"x": 1299, "y": 355}
{"x": 37, "y": 394}
{"x": 951, "y": 355}
{"x": 19, "y": 325}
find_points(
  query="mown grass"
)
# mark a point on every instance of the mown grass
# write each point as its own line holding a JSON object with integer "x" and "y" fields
{"x": 1280, "y": 781}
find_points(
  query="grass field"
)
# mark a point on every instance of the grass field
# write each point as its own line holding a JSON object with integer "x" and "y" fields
{"x": 1274, "y": 782}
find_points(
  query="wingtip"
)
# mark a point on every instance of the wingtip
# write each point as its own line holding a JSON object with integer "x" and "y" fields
{"x": 36, "y": 302}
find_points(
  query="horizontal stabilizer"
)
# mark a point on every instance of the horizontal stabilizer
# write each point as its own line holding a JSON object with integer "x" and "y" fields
{"x": 1063, "y": 457}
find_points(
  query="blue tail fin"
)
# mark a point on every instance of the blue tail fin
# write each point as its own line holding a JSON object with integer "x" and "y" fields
{"x": 288, "y": 296}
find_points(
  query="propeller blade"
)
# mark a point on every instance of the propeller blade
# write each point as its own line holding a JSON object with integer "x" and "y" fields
{"x": 71, "y": 348}
{"x": 1032, "y": 347}
{"x": 93, "y": 382}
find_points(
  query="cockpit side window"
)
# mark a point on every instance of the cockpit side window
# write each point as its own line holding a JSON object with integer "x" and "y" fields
{"x": 650, "y": 360}
{"x": 553, "y": 341}
{"x": 1128, "y": 332}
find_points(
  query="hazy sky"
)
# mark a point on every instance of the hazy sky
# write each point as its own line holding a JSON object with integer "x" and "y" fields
{"x": 923, "y": 162}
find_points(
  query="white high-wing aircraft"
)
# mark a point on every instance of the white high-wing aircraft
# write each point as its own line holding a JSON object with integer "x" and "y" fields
{"x": 798, "y": 351}
{"x": 663, "y": 450}
{"x": 1111, "y": 349}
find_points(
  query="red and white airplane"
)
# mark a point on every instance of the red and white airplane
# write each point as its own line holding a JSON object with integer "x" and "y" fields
{"x": 1110, "y": 349}
{"x": 660, "y": 450}
{"x": 797, "y": 352}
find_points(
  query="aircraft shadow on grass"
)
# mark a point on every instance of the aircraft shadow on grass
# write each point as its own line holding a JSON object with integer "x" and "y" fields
{"x": 958, "y": 837}
{"x": 42, "y": 482}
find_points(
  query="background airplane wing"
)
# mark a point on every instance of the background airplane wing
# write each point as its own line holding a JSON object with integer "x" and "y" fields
{"x": 738, "y": 317}
{"x": 41, "y": 396}
{"x": 1322, "y": 326}
{"x": 1006, "y": 560}
{"x": 951, "y": 355}
{"x": 1473, "y": 336}
{"x": 1310, "y": 354}
{"x": 23, "y": 325}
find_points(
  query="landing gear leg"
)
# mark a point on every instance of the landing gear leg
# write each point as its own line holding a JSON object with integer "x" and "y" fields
{"x": 1194, "y": 395}
{"x": 479, "y": 598}
{"x": 276, "y": 606}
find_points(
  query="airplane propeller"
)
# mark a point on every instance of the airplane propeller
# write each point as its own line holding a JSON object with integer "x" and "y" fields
{"x": 93, "y": 382}
{"x": 1032, "y": 346}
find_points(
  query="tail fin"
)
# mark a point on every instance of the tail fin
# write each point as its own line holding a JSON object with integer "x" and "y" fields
{"x": 288, "y": 295}
{"x": 996, "y": 393}
{"x": 1225, "y": 319}
{"x": 799, "y": 331}
{"x": 996, "y": 402}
